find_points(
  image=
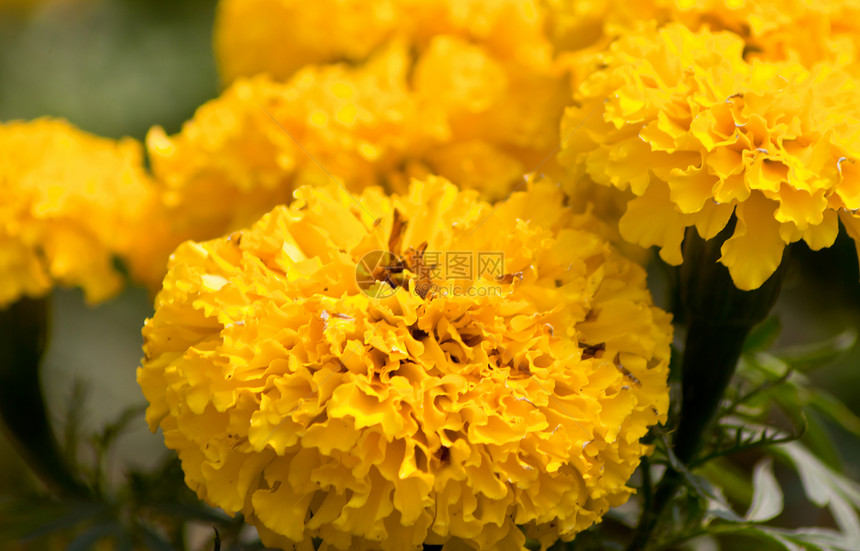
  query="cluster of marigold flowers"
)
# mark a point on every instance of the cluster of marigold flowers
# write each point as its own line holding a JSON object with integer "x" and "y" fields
{"x": 356, "y": 404}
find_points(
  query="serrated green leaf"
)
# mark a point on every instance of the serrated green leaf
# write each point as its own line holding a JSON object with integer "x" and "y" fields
{"x": 767, "y": 501}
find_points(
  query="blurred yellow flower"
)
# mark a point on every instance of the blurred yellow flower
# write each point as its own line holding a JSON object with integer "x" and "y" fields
{"x": 455, "y": 110}
{"x": 278, "y": 37}
{"x": 246, "y": 151}
{"x": 699, "y": 134}
{"x": 809, "y": 32}
{"x": 331, "y": 373}
{"x": 71, "y": 204}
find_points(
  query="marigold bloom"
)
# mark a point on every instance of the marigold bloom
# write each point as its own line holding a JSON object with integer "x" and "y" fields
{"x": 71, "y": 203}
{"x": 246, "y": 151}
{"x": 699, "y": 134}
{"x": 278, "y": 37}
{"x": 481, "y": 72}
{"x": 402, "y": 411}
{"x": 810, "y": 32}
{"x": 455, "y": 111}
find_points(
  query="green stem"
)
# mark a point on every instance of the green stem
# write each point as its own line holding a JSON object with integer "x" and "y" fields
{"x": 711, "y": 354}
{"x": 719, "y": 318}
{"x": 23, "y": 338}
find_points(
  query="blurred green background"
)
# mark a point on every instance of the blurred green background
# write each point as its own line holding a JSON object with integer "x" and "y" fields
{"x": 116, "y": 68}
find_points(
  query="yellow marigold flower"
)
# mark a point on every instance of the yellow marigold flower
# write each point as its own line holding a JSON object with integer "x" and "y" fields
{"x": 331, "y": 374}
{"x": 802, "y": 30}
{"x": 810, "y": 32}
{"x": 278, "y": 37}
{"x": 462, "y": 116}
{"x": 482, "y": 69}
{"x": 246, "y": 151}
{"x": 71, "y": 203}
{"x": 698, "y": 134}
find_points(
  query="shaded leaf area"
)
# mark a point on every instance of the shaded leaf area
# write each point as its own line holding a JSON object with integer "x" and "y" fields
{"x": 770, "y": 455}
{"x": 151, "y": 510}
{"x": 775, "y": 424}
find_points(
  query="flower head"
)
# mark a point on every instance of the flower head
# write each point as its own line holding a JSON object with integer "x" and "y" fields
{"x": 278, "y": 37}
{"x": 331, "y": 373}
{"x": 698, "y": 134}
{"x": 71, "y": 203}
{"x": 809, "y": 32}
{"x": 454, "y": 110}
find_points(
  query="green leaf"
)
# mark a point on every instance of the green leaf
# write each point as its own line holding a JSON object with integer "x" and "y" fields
{"x": 824, "y": 539}
{"x": 830, "y": 406}
{"x": 190, "y": 512}
{"x": 763, "y": 335}
{"x": 152, "y": 540}
{"x": 811, "y": 356}
{"x": 773, "y": 366}
{"x": 766, "y": 534}
{"x": 730, "y": 478}
{"x": 96, "y": 533}
{"x": 820, "y": 442}
{"x": 825, "y": 487}
{"x": 806, "y": 539}
{"x": 717, "y": 504}
{"x": 767, "y": 501}
{"x": 74, "y": 514}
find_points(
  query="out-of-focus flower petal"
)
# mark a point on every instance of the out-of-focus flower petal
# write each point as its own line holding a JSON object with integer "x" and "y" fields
{"x": 72, "y": 202}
